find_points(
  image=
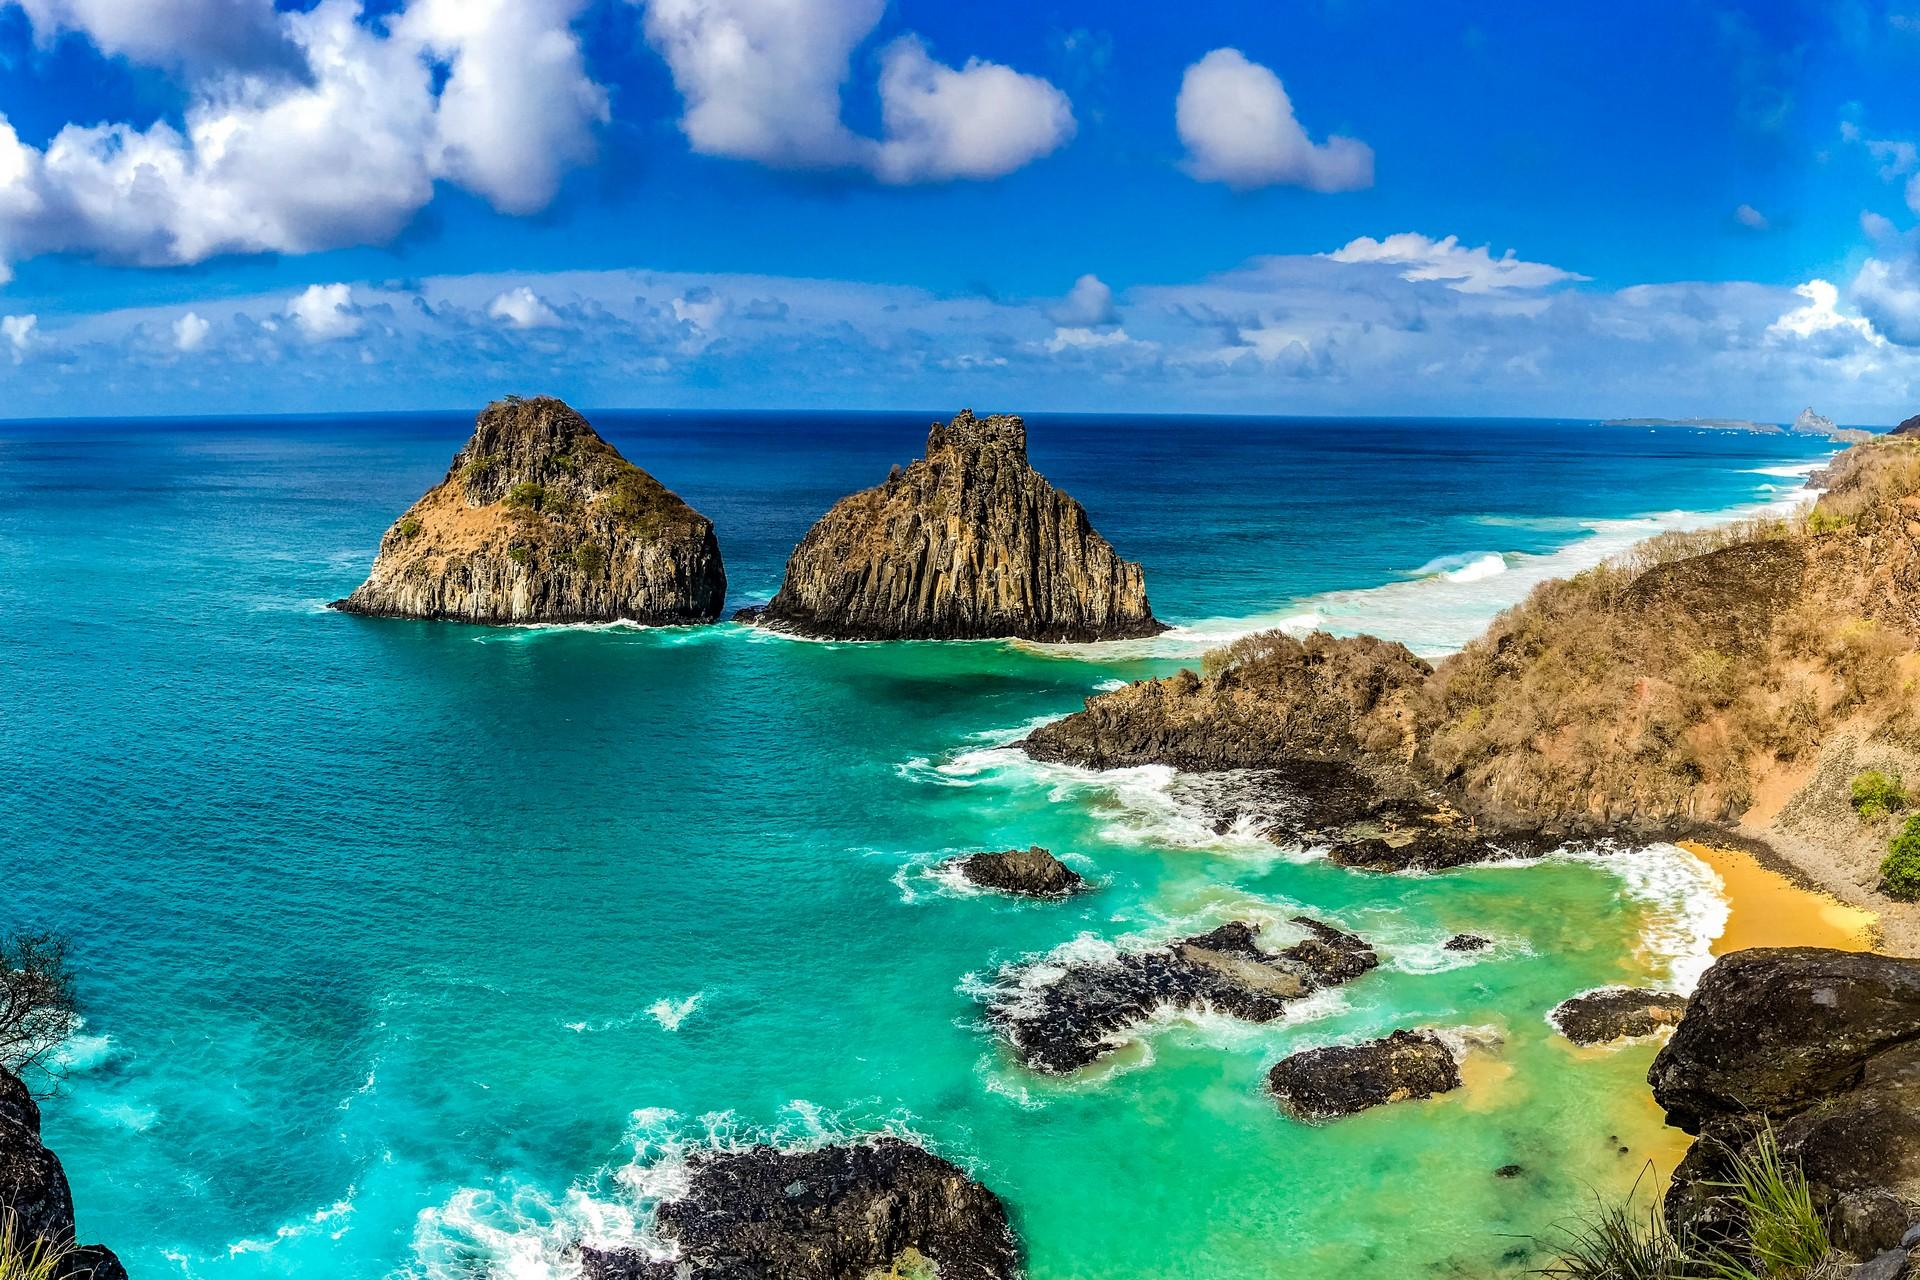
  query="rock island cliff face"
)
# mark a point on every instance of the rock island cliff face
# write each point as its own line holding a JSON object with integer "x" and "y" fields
{"x": 969, "y": 542}
{"x": 34, "y": 1197}
{"x": 540, "y": 520}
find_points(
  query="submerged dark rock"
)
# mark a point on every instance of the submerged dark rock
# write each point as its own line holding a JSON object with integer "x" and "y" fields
{"x": 1338, "y": 1080}
{"x": 1617, "y": 1013}
{"x": 1821, "y": 1046}
{"x": 969, "y": 542}
{"x": 1080, "y": 1016}
{"x": 848, "y": 1212}
{"x": 34, "y": 1190}
{"x": 540, "y": 520}
{"x": 1031, "y": 873}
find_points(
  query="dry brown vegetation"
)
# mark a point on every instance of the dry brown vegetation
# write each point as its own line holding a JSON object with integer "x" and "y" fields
{"x": 1668, "y": 686}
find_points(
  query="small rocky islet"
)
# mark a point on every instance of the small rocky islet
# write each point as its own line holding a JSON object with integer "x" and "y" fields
{"x": 968, "y": 542}
{"x": 1339, "y": 1080}
{"x": 843, "y": 1212}
{"x": 1076, "y": 1017}
{"x": 541, "y": 520}
{"x": 1028, "y": 873}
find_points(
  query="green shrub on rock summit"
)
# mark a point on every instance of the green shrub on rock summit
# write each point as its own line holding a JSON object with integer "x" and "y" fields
{"x": 1900, "y": 871}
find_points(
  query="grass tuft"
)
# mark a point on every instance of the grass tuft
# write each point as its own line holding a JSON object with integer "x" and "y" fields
{"x": 22, "y": 1258}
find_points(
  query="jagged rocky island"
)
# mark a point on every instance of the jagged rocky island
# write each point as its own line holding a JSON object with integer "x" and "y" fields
{"x": 966, "y": 543}
{"x": 540, "y": 520}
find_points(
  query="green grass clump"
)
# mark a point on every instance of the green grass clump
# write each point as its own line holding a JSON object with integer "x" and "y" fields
{"x": 1877, "y": 794}
{"x": 22, "y": 1258}
{"x": 1786, "y": 1240}
{"x": 408, "y": 526}
{"x": 480, "y": 468}
{"x": 590, "y": 559}
{"x": 1622, "y": 1242}
{"x": 1900, "y": 869}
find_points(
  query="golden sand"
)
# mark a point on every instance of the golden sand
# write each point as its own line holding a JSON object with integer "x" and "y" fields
{"x": 1766, "y": 909}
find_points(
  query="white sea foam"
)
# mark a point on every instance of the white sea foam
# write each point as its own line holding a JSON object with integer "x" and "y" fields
{"x": 671, "y": 1013}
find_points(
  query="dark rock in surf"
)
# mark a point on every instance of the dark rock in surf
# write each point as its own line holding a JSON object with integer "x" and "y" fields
{"x": 969, "y": 542}
{"x": 540, "y": 520}
{"x": 34, "y": 1190}
{"x": 1076, "y": 1018}
{"x": 1031, "y": 873}
{"x": 1466, "y": 942}
{"x": 1338, "y": 1080}
{"x": 1617, "y": 1013}
{"x": 848, "y": 1212}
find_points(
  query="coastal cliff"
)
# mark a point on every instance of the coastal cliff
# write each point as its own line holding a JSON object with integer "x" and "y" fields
{"x": 1736, "y": 678}
{"x": 35, "y": 1201}
{"x": 968, "y": 542}
{"x": 540, "y": 520}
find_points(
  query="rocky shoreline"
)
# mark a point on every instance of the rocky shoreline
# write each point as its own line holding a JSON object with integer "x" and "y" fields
{"x": 34, "y": 1191}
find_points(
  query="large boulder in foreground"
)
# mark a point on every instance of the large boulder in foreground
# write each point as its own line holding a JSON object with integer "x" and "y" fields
{"x": 1340, "y": 1079}
{"x": 836, "y": 1213}
{"x": 540, "y": 520}
{"x": 34, "y": 1191}
{"x": 1823, "y": 1047}
{"x": 1075, "y": 1018}
{"x": 969, "y": 542}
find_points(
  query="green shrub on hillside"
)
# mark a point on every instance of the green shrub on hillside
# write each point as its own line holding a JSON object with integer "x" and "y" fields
{"x": 526, "y": 496}
{"x": 1900, "y": 870}
{"x": 1877, "y": 794}
{"x": 407, "y": 527}
{"x": 590, "y": 559}
{"x": 480, "y": 468}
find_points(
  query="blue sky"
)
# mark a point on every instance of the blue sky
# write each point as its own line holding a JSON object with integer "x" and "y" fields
{"x": 1344, "y": 207}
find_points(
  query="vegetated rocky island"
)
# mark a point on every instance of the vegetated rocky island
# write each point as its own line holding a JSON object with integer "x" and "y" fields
{"x": 968, "y": 542}
{"x": 35, "y": 1201}
{"x": 540, "y": 520}
{"x": 1736, "y": 682}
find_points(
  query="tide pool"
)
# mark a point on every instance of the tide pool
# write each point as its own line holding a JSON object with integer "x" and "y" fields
{"x": 425, "y": 950}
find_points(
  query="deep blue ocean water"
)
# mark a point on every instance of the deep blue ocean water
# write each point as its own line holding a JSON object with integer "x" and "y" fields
{"x": 416, "y": 949}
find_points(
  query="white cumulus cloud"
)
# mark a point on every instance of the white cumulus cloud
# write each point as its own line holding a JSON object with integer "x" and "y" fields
{"x": 522, "y": 308}
{"x": 1088, "y": 304}
{"x": 1821, "y": 314}
{"x": 761, "y": 80}
{"x": 1238, "y": 126}
{"x": 485, "y": 93}
{"x": 17, "y": 331}
{"x": 190, "y": 332}
{"x": 1448, "y": 261}
{"x": 325, "y": 312}
{"x": 981, "y": 121}
{"x": 209, "y": 33}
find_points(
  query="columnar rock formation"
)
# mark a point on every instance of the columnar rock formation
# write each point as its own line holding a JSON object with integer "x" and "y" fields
{"x": 969, "y": 542}
{"x": 34, "y": 1197}
{"x": 850, "y": 1212}
{"x": 540, "y": 520}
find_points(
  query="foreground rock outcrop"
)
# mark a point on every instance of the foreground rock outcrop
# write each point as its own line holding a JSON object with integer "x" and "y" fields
{"x": 1617, "y": 1013}
{"x": 1824, "y": 1047}
{"x": 540, "y": 520}
{"x": 848, "y": 1212}
{"x": 969, "y": 542}
{"x": 33, "y": 1189}
{"x": 1338, "y": 1080}
{"x": 1072, "y": 1020}
{"x": 1031, "y": 873}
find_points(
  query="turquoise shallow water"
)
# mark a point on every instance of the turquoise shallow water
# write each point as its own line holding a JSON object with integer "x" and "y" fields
{"x": 423, "y": 950}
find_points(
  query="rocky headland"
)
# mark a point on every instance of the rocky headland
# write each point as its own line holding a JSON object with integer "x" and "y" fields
{"x": 1029, "y": 873}
{"x": 1821, "y": 1049}
{"x": 540, "y": 520}
{"x": 1727, "y": 681}
{"x": 1079, "y": 1016}
{"x": 968, "y": 542}
{"x": 1338, "y": 1080}
{"x": 34, "y": 1196}
{"x": 845, "y": 1212}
